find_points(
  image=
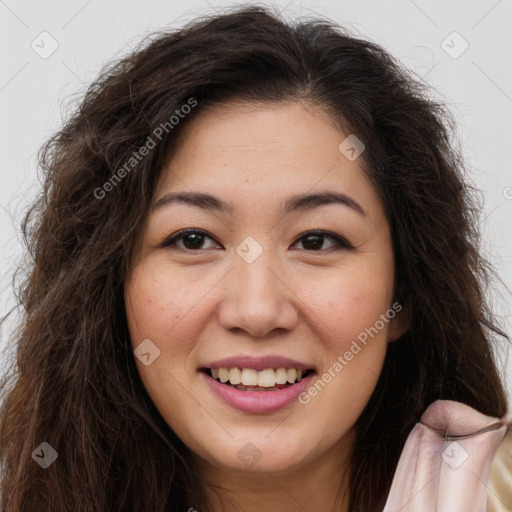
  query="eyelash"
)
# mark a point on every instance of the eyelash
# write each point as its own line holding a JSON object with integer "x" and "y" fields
{"x": 171, "y": 241}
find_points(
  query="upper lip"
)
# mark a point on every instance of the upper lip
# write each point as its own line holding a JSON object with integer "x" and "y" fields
{"x": 258, "y": 363}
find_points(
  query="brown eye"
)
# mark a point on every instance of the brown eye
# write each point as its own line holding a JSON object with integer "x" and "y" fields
{"x": 196, "y": 239}
{"x": 314, "y": 240}
{"x": 192, "y": 239}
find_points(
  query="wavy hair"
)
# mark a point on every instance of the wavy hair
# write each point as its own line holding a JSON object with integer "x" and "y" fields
{"x": 72, "y": 381}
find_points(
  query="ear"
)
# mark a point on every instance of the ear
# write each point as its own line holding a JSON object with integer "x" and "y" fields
{"x": 400, "y": 323}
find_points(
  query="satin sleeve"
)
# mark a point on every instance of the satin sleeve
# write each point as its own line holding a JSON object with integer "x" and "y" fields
{"x": 446, "y": 461}
{"x": 499, "y": 497}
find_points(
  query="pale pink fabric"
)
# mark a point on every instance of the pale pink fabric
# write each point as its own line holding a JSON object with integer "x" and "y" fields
{"x": 446, "y": 461}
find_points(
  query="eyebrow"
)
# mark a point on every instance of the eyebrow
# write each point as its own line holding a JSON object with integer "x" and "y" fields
{"x": 301, "y": 202}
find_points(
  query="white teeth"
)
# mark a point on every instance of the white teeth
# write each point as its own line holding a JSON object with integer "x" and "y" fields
{"x": 235, "y": 376}
{"x": 291, "y": 375}
{"x": 249, "y": 377}
{"x": 281, "y": 376}
{"x": 267, "y": 378}
{"x": 223, "y": 374}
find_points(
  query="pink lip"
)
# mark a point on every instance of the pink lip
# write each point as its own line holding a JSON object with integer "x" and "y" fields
{"x": 258, "y": 402}
{"x": 259, "y": 363}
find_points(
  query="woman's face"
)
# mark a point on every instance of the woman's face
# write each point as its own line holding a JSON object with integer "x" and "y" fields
{"x": 254, "y": 287}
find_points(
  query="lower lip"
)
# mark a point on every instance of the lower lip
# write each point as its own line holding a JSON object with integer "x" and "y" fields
{"x": 258, "y": 402}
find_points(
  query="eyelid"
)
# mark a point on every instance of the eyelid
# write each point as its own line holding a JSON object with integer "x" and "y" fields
{"x": 182, "y": 233}
{"x": 341, "y": 241}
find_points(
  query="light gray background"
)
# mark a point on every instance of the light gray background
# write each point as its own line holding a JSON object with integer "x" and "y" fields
{"x": 477, "y": 85}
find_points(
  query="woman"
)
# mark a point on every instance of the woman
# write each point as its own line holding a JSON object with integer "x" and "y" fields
{"x": 189, "y": 343}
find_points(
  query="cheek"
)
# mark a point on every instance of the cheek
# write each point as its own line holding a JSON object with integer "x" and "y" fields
{"x": 155, "y": 309}
{"x": 354, "y": 344}
{"x": 349, "y": 302}
{"x": 156, "y": 302}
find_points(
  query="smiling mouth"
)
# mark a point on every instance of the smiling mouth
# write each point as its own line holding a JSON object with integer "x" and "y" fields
{"x": 248, "y": 379}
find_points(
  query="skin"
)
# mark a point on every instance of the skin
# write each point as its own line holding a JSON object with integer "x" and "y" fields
{"x": 301, "y": 299}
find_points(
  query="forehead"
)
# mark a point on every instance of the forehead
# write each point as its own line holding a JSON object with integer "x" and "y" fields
{"x": 249, "y": 152}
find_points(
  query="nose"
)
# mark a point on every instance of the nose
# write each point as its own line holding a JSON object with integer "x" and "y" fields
{"x": 257, "y": 299}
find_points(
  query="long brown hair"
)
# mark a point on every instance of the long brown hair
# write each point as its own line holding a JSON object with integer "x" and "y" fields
{"x": 73, "y": 383}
